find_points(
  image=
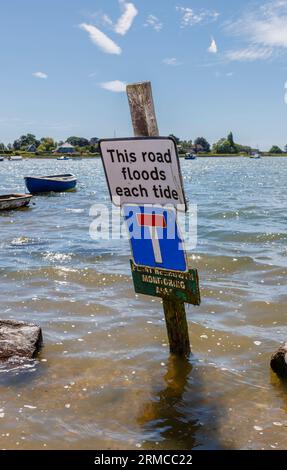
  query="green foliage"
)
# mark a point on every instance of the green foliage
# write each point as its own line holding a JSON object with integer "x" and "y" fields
{"x": 201, "y": 144}
{"x": 230, "y": 139}
{"x": 94, "y": 141}
{"x": 223, "y": 146}
{"x": 226, "y": 145}
{"x": 25, "y": 141}
{"x": 275, "y": 149}
{"x": 47, "y": 144}
{"x": 78, "y": 141}
{"x": 186, "y": 145}
{"x": 2, "y": 147}
{"x": 243, "y": 149}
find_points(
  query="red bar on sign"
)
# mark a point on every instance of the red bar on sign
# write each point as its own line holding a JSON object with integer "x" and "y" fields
{"x": 151, "y": 220}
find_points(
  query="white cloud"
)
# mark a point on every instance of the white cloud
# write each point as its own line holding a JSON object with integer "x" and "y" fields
{"x": 106, "y": 20}
{"x": 171, "y": 61}
{"x": 264, "y": 29}
{"x": 126, "y": 20}
{"x": 153, "y": 22}
{"x": 42, "y": 75}
{"x": 213, "y": 47}
{"x": 249, "y": 54}
{"x": 191, "y": 17}
{"x": 101, "y": 40}
{"x": 116, "y": 86}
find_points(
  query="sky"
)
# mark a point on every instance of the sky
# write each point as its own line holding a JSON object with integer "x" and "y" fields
{"x": 215, "y": 66}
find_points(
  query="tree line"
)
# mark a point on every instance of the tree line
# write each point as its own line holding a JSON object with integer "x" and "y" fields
{"x": 225, "y": 145}
{"x": 48, "y": 144}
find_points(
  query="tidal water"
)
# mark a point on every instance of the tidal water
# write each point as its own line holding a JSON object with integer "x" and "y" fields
{"x": 105, "y": 379}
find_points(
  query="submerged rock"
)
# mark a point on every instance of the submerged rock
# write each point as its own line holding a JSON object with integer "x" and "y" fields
{"x": 19, "y": 339}
{"x": 279, "y": 361}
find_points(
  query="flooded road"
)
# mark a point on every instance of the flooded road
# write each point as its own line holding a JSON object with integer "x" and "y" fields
{"x": 104, "y": 378}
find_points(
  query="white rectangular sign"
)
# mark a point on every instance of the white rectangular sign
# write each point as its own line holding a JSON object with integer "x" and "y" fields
{"x": 143, "y": 170}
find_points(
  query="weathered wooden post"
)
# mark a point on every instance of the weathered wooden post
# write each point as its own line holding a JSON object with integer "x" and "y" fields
{"x": 145, "y": 125}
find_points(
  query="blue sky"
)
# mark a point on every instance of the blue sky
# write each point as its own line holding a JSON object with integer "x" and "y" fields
{"x": 215, "y": 66}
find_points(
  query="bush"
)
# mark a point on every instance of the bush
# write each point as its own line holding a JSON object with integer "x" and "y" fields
{"x": 275, "y": 149}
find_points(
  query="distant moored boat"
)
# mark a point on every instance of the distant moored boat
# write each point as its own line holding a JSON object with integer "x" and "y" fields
{"x": 14, "y": 201}
{"x": 55, "y": 183}
{"x": 15, "y": 158}
{"x": 190, "y": 156}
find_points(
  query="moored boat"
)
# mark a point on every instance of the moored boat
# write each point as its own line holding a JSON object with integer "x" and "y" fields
{"x": 255, "y": 155}
{"x": 46, "y": 184}
{"x": 1, "y": 159}
{"x": 190, "y": 156}
{"x": 14, "y": 201}
{"x": 63, "y": 158}
{"x": 15, "y": 158}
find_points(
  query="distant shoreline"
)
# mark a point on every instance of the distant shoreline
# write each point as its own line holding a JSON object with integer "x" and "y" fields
{"x": 97, "y": 155}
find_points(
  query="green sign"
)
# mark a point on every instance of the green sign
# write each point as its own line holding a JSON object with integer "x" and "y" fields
{"x": 173, "y": 285}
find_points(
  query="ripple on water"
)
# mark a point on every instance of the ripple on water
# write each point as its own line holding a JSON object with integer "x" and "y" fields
{"x": 104, "y": 378}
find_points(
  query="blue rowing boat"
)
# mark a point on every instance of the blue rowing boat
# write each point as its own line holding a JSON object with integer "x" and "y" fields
{"x": 46, "y": 184}
{"x": 190, "y": 156}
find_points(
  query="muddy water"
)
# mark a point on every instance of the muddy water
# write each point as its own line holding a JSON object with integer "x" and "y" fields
{"x": 105, "y": 378}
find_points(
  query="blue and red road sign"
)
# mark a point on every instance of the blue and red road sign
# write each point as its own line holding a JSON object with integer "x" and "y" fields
{"x": 155, "y": 238}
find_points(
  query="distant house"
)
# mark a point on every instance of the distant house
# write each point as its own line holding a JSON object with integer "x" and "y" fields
{"x": 195, "y": 149}
{"x": 65, "y": 148}
{"x": 32, "y": 148}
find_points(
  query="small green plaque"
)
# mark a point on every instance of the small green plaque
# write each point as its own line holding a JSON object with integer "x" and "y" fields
{"x": 173, "y": 285}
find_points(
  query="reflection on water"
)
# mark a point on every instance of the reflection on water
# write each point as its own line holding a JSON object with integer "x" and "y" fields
{"x": 105, "y": 378}
{"x": 165, "y": 413}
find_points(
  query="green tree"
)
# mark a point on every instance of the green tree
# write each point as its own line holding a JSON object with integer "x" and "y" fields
{"x": 275, "y": 149}
{"x": 47, "y": 144}
{"x": 202, "y": 142}
{"x": 186, "y": 145}
{"x": 244, "y": 149}
{"x": 25, "y": 141}
{"x": 223, "y": 146}
{"x": 78, "y": 141}
{"x": 230, "y": 139}
{"x": 2, "y": 147}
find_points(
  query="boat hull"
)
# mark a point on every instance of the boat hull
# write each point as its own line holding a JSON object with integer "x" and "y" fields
{"x": 16, "y": 158}
{"x": 50, "y": 184}
{"x": 14, "y": 201}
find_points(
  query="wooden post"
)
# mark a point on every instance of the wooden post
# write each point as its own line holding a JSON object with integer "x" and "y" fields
{"x": 145, "y": 125}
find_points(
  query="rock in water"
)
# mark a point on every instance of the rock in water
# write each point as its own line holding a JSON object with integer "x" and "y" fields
{"x": 278, "y": 361}
{"x": 19, "y": 339}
